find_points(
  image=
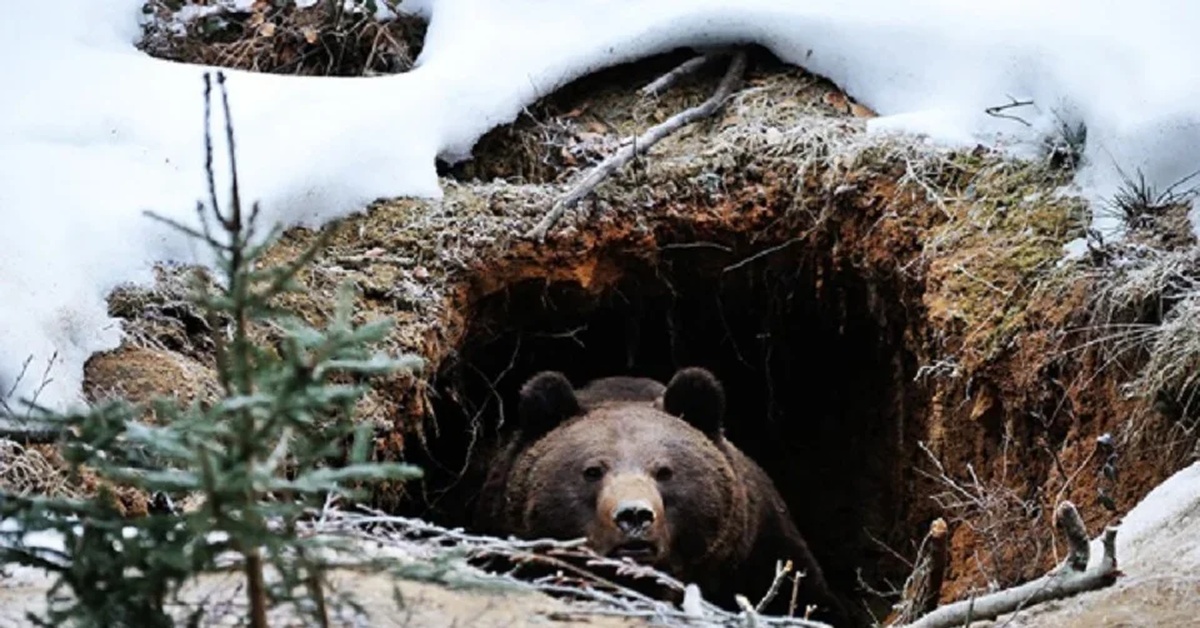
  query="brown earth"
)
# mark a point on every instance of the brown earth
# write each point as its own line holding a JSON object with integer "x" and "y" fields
{"x": 912, "y": 298}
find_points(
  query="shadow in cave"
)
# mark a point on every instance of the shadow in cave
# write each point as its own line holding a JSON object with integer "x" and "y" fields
{"x": 809, "y": 351}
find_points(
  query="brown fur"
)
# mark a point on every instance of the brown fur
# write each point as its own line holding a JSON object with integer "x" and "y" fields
{"x": 644, "y": 470}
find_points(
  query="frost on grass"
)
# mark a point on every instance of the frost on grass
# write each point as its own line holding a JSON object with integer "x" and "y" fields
{"x": 1146, "y": 305}
{"x": 296, "y": 37}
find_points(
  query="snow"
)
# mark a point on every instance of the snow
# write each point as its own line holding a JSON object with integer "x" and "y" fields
{"x": 1161, "y": 531}
{"x": 93, "y": 132}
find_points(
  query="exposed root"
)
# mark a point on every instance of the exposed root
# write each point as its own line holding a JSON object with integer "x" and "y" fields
{"x": 641, "y": 144}
{"x": 1069, "y": 579}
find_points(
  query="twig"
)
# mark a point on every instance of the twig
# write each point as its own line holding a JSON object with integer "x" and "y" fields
{"x": 572, "y": 564}
{"x": 640, "y": 145}
{"x": 750, "y": 612}
{"x": 781, "y": 572}
{"x": 795, "y": 601}
{"x": 998, "y": 110}
{"x": 1062, "y": 582}
{"x": 761, "y": 254}
{"x": 29, "y": 435}
{"x": 662, "y": 83}
{"x": 921, "y": 590}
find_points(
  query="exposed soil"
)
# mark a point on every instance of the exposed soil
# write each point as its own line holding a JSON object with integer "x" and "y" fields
{"x": 863, "y": 298}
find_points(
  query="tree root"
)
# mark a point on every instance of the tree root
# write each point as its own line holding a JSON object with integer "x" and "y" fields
{"x": 1068, "y": 579}
{"x": 640, "y": 145}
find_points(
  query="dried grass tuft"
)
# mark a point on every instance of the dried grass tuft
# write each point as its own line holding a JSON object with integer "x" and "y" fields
{"x": 26, "y": 471}
{"x": 324, "y": 39}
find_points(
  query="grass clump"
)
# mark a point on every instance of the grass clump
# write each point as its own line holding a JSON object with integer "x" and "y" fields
{"x": 1001, "y": 244}
{"x": 324, "y": 38}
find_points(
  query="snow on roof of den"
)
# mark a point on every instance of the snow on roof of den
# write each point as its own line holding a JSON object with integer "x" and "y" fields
{"x": 93, "y": 132}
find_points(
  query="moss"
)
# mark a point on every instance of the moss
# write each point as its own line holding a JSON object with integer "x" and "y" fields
{"x": 999, "y": 247}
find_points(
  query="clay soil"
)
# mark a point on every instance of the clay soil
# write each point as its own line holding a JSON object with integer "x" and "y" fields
{"x": 872, "y": 305}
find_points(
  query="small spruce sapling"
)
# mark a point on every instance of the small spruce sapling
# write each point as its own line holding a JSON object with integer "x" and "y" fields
{"x": 259, "y": 455}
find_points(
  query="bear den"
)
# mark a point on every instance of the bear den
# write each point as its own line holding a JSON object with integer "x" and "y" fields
{"x": 644, "y": 472}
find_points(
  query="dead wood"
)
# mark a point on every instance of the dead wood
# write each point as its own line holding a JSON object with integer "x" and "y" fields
{"x": 924, "y": 584}
{"x": 1068, "y": 579}
{"x": 687, "y": 68}
{"x": 641, "y": 144}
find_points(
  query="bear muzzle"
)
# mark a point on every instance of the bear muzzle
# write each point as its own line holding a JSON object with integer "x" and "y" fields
{"x": 631, "y": 523}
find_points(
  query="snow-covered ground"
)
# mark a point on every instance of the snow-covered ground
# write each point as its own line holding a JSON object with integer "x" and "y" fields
{"x": 93, "y": 132}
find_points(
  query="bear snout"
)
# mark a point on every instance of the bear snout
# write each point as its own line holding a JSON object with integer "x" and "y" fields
{"x": 634, "y": 517}
{"x": 629, "y": 519}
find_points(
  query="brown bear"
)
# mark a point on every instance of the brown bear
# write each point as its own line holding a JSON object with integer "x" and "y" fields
{"x": 644, "y": 471}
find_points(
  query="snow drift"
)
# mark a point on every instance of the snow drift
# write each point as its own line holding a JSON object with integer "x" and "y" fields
{"x": 93, "y": 132}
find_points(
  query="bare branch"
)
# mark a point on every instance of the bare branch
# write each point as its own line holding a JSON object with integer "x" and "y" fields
{"x": 998, "y": 110}
{"x": 1060, "y": 583}
{"x": 664, "y": 82}
{"x": 640, "y": 145}
{"x": 781, "y": 573}
{"x": 924, "y": 584}
{"x": 575, "y": 569}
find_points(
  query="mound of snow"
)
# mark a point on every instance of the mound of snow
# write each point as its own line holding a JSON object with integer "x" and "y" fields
{"x": 93, "y": 132}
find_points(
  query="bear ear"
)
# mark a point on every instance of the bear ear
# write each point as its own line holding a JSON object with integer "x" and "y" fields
{"x": 547, "y": 399}
{"x": 696, "y": 396}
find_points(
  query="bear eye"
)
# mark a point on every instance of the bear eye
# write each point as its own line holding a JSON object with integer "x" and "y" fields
{"x": 662, "y": 474}
{"x": 593, "y": 472}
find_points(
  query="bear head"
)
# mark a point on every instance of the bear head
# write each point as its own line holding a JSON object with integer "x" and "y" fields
{"x": 641, "y": 472}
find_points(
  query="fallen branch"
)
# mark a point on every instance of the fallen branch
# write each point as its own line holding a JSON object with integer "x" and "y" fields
{"x": 640, "y": 145}
{"x": 30, "y": 435}
{"x": 1066, "y": 580}
{"x": 664, "y": 82}
{"x": 573, "y": 570}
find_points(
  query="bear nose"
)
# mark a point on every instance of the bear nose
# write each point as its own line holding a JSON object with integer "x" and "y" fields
{"x": 633, "y": 517}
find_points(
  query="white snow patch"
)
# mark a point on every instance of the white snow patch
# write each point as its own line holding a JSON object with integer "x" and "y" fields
{"x": 1161, "y": 531}
{"x": 92, "y": 132}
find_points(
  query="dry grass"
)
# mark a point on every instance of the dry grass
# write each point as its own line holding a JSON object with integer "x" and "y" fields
{"x": 27, "y": 471}
{"x": 1146, "y": 305}
{"x": 325, "y": 39}
{"x": 1146, "y": 321}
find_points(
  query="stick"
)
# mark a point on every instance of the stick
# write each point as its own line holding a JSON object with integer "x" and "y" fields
{"x": 923, "y": 586}
{"x": 31, "y": 435}
{"x": 781, "y": 572}
{"x": 1068, "y": 522}
{"x": 665, "y": 81}
{"x": 640, "y": 145}
{"x": 1060, "y": 583}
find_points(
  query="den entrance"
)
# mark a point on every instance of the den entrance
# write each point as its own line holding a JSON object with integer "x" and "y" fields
{"x": 809, "y": 350}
